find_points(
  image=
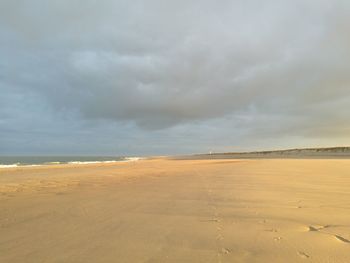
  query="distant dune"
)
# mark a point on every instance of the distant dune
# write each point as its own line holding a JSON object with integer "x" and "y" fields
{"x": 330, "y": 152}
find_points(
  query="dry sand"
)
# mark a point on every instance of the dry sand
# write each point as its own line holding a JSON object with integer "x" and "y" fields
{"x": 177, "y": 211}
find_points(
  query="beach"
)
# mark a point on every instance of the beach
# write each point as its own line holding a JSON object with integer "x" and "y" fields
{"x": 163, "y": 210}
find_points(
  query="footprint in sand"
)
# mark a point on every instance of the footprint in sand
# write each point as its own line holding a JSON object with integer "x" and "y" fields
{"x": 271, "y": 230}
{"x": 303, "y": 254}
{"x": 277, "y": 239}
{"x": 262, "y": 221}
{"x": 340, "y": 238}
{"x": 219, "y": 237}
{"x": 320, "y": 228}
{"x": 225, "y": 251}
{"x": 313, "y": 228}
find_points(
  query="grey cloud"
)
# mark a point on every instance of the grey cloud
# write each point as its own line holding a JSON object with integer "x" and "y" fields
{"x": 271, "y": 68}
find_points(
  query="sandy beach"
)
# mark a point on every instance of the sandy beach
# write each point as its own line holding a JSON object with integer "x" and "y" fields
{"x": 247, "y": 210}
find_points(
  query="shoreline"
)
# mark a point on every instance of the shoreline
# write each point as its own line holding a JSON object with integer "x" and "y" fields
{"x": 71, "y": 163}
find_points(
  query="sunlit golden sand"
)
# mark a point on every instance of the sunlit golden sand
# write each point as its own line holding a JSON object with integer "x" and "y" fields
{"x": 256, "y": 210}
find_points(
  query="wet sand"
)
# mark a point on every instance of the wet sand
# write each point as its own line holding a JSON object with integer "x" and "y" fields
{"x": 256, "y": 210}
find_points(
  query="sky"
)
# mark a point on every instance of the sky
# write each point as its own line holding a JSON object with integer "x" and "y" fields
{"x": 112, "y": 77}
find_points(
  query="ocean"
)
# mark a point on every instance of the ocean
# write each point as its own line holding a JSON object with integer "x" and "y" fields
{"x": 14, "y": 161}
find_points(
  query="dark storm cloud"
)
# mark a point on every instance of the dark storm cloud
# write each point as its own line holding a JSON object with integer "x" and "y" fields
{"x": 255, "y": 68}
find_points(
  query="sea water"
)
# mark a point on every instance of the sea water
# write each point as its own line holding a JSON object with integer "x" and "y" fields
{"x": 14, "y": 161}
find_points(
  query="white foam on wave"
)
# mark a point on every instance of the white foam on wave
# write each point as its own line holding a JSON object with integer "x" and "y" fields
{"x": 8, "y": 165}
{"x": 91, "y": 162}
{"x": 132, "y": 159}
{"x": 79, "y": 162}
{"x": 15, "y": 165}
{"x": 126, "y": 159}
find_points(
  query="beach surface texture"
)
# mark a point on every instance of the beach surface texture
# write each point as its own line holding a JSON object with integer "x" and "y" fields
{"x": 162, "y": 210}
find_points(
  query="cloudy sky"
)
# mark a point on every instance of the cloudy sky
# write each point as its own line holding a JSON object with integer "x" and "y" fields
{"x": 168, "y": 77}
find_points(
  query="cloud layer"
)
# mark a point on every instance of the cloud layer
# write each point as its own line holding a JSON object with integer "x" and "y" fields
{"x": 214, "y": 75}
